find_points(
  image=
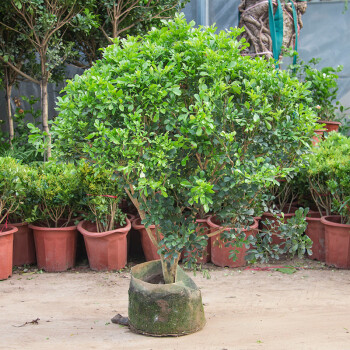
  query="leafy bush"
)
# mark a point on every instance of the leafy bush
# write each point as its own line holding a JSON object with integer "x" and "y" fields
{"x": 20, "y": 148}
{"x": 56, "y": 194}
{"x": 13, "y": 192}
{"x": 188, "y": 125}
{"x": 323, "y": 86}
{"x": 293, "y": 240}
{"x": 329, "y": 175}
{"x": 102, "y": 197}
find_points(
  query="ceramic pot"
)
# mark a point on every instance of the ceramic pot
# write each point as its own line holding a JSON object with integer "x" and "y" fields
{"x": 273, "y": 228}
{"x": 149, "y": 249}
{"x": 220, "y": 254}
{"x": 55, "y": 247}
{"x": 6, "y": 250}
{"x": 23, "y": 245}
{"x": 315, "y": 231}
{"x": 337, "y": 242}
{"x": 105, "y": 250}
{"x": 202, "y": 228}
{"x": 330, "y": 125}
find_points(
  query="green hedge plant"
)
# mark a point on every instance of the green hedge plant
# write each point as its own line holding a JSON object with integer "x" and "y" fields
{"x": 101, "y": 197}
{"x": 184, "y": 121}
{"x": 329, "y": 175}
{"x": 56, "y": 194}
{"x": 13, "y": 190}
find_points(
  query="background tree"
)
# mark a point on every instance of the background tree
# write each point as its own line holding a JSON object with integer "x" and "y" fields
{"x": 43, "y": 24}
{"x": 117, "y": 19}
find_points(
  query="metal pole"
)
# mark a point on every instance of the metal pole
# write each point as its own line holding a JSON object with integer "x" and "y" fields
{"x": 203, "y": 12}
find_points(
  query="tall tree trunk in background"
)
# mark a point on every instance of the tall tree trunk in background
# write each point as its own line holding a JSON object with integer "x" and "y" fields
{"x": 9, "y": 112}
{"x": 255, "y": 20}
{"x": 8, "y": 105}
{"x": 45, "y": 114}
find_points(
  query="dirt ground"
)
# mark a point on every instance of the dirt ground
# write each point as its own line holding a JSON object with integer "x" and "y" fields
{"x": 245, "y": 309}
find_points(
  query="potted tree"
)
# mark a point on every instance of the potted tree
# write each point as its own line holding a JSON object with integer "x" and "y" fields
{"x": 56, "y": 199}
{"x": 170, "y": 115}
{"x": 105, "y": 227}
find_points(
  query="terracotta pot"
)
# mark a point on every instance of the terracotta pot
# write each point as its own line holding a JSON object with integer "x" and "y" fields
{"x": 6, "y": 250}
{"x": 337, "y": 242}
{"x": 330, "y": 125}
{"x": 202, "y": 228}
{"x": 55, "y": 247}
{"x": 258, "y": 220}
{"x": 274, "y": 230}
{"x": 315, "y": 230}
{"x": 318, "y": 136}
{"x": 149, "y": 249}
{"x": 220, "y": 253}
{"x": 131, "y": 218}
{"x": 23, "y": 245}
{"x": 105, "y": 250}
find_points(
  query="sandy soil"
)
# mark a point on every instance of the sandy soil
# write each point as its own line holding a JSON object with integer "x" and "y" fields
{"x": 245, "y": 309}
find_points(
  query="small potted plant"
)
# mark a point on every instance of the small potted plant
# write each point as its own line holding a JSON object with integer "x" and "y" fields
{"x": 11, "y": 193}
{"x": 23, "y": 241}
{"x": 56, "y": 199}
{"x": 279, "y": 208}
{"x": 330, "y": 169}
{"x": 105, "y": 227}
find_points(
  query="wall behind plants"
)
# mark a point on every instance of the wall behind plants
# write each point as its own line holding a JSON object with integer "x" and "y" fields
{"x": 325, "y": 35}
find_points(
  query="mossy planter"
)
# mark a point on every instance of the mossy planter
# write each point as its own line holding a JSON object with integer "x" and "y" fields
{"x": 163, "y": 309}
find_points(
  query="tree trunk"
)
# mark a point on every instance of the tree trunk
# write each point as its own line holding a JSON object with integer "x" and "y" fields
{"x": 255, "y": 20}
{"x": 169, "y": 269}
{"x": 9, "y": 111}
{"x": 45, "y": 114}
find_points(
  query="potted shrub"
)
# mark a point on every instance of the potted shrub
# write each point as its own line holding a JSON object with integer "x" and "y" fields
{"x": 280, "y": 205}
{"x": 330, "y": 183}
{"x": 23, "y": 240}
{"x": 105, "y": 227}
{"x": 323, "y": 87}
{"x": 11, "y": 193}
{"x": 56, "y": 197}
{"x": 174, "y": 115}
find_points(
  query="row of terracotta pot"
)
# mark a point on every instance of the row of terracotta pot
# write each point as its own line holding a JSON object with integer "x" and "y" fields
{"x": 56, "y": 248}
